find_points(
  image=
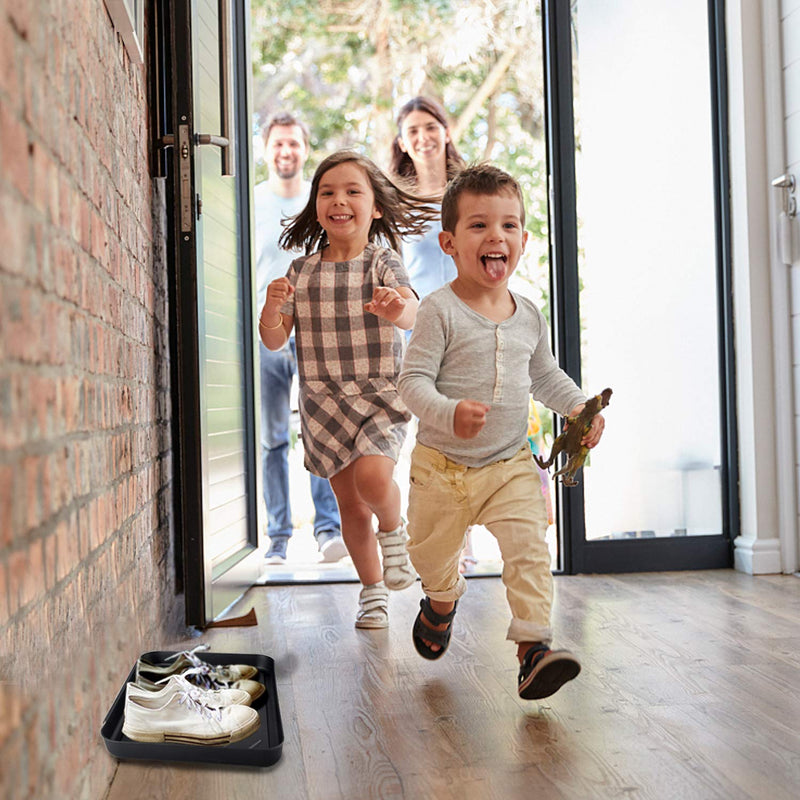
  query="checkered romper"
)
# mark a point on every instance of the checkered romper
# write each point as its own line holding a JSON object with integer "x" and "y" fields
{"x": 347, "y": 359}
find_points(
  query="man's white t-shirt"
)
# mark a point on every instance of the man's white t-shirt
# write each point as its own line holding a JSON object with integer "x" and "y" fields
{"x": 270, "y": 210}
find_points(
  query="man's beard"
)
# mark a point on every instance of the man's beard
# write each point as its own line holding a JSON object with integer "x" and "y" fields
{"x": 287, "y": 173}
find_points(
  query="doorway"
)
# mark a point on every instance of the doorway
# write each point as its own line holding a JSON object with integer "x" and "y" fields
{"x": 643, "y": 280}
{"x": 536, "y": 88}
{"x": 346, "y": 72}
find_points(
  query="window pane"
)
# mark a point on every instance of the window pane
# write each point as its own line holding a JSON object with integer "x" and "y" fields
{"x": 648, "y": 266}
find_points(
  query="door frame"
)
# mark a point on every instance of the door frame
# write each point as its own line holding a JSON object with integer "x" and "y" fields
{"x": 185, "y": 329}
{"x": 669, "y": 553}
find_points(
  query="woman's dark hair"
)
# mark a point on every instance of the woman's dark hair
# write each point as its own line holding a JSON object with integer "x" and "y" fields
{"x": 404, "y": 214}
{"x": 401, "y": 163}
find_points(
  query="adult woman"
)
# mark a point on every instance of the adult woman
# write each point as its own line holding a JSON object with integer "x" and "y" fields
{"x": 424, "y": 156}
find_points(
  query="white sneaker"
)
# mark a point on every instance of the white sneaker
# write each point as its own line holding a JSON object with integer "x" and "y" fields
{"x": 331, "y": 547}
{"x": 373, "y": 607}
{"x": 200, "y": 673}
{"x": 187, "y": 715}
{"x": 178, "y": 684}
{"x": 397, "y": 570}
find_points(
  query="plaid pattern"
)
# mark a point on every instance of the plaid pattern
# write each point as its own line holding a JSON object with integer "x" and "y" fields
{"x": 348, "y": 359}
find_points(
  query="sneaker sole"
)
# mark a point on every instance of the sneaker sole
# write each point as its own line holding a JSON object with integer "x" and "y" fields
{"x": 371, "y": 624}
{"x": 157, "y": 737}
{"x": 335, "y": 550}
{"x": 275, "y": 560}
{"x": 551, "y": 673}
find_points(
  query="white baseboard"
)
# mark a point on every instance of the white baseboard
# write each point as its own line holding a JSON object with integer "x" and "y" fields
{"x": 757, "y": 556}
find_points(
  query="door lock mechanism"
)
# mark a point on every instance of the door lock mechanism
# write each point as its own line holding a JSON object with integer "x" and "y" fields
{"x": 788, "y": 184}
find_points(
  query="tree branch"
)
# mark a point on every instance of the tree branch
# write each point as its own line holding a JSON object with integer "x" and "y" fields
{"x": 485, "y": 90}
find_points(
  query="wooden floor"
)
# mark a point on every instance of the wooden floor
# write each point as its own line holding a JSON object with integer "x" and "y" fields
{"x": 690, "y": 689}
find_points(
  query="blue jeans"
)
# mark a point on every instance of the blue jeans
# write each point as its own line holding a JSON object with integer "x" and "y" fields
{"x": 277, "y": 370}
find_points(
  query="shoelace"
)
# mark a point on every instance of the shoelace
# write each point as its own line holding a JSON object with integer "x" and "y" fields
{"x": 209, "y": 676}
{"x": 195, "y": 701}
{"x": 194, "y": 697}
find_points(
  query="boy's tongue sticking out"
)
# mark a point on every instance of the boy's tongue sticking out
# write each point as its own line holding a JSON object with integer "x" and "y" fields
{"x": 495, "y": 265}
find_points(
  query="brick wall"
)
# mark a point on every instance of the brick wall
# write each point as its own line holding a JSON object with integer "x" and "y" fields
{"x": 86, "y": 556}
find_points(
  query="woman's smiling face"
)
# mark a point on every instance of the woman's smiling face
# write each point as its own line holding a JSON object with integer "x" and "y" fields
{"x": 423, "y": 137}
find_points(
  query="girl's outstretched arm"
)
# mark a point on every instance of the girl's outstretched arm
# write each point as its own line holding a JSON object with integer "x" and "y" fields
{"x": 395, "y": 305}
{"x": 274, "y": 327}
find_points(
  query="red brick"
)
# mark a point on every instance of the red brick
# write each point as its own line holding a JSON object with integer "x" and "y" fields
{"x": 17, "y": 564}
{"x": 66, "y": 550}
{"x": 9, "y": 76}
{"x": 32, "y": 470}
{"x": 14, "y": 156}
{"x": 6, "y": 505}
{"x": 4, "y": 615}
{"x": 33, "y": 578}
{"x": 13, "y": 232}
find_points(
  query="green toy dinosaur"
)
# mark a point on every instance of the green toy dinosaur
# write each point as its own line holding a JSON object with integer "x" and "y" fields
{"x": 569, "y": 440}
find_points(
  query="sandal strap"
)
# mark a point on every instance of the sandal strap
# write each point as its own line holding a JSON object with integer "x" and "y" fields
{"x": 534, "y": 654}
{"x": 422, "y": 631}
{"x": 432, "y": 616}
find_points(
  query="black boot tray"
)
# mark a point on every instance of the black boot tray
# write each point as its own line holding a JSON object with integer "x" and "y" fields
{"x": 261, "y": 749}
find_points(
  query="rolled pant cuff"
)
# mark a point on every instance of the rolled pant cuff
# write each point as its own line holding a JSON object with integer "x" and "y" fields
{"x": 521, "y": 630}
{"x": 449, "y": 595}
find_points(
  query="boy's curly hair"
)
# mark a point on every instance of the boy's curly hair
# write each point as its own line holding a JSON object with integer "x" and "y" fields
{"x": 404, "y": 214}
{"x": 480, "y": 179}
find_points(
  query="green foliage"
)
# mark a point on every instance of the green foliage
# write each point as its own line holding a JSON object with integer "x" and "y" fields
{"x": 346, "y": 66}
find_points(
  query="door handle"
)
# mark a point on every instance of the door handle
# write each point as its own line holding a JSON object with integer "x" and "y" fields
{"x": 787, "y": 183}
{"x": 208, "y": 138}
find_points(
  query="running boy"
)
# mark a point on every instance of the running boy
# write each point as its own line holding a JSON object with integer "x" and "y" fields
{"x": 477, "y": 353}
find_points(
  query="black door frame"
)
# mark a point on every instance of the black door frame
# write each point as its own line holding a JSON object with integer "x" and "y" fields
{"x": 172, "y": 48}
{"x": 691, "y": 552}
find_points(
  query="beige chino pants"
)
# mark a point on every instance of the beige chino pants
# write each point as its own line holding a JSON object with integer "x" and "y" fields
{"x": 505, "y": 497}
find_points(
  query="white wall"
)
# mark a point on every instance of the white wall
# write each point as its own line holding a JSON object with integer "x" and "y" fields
{"x": 790, "y": 73}
{"x": 766, "y": 416}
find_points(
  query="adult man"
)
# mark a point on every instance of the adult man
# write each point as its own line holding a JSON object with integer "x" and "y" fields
{"x": 283, "y": 194}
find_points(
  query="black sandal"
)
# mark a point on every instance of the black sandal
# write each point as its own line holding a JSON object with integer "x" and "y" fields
{"x": 422, "y": 631}
{"x": 544, "y": 671}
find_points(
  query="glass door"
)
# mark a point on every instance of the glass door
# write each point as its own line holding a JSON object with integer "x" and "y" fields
{"x": 642, "y": 278}
{"x": 214, "y": 335}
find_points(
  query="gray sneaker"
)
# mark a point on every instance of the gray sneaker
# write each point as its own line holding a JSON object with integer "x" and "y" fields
{"x": 331, "y": 546}
{"x": 277, "y": 550}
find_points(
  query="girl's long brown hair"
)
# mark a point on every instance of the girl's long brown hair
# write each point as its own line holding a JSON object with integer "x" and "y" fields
{"x": 404, "y": 214}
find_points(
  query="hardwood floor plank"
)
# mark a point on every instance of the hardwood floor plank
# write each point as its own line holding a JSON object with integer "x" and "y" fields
{"x": 689, "y": 689}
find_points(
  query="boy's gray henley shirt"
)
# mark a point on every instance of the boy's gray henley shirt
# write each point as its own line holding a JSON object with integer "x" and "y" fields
{"x": 456, "y": 354}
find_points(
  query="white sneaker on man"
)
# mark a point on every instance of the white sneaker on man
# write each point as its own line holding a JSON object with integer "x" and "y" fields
{"x": 331, "y": 546}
